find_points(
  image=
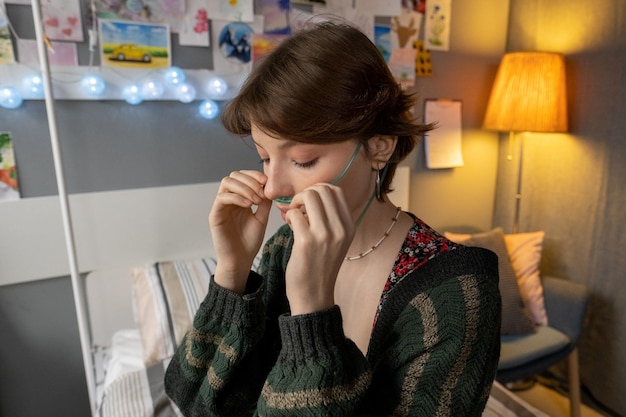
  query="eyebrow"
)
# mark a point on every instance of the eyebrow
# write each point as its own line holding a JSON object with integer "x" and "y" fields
{"x": 285, "y": 144}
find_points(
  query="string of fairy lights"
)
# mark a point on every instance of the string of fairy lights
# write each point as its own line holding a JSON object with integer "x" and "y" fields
{"x": 170, "y": 83}
{"x": 94, "y": 86}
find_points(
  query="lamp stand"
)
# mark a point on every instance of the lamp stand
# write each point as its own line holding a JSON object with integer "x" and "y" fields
{"x": 518, "y": 192}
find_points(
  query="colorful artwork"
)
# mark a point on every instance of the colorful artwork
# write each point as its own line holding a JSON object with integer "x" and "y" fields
{"x": 9, "y": 189}
{"x": 263, "y": 43}
{"x": 166, "y": 12}
{"x": 62, "y": 20}
{"x": 195, "y": 31}
{"x": 423, "y": 66}
{"x": 437, "y": 29}
{"x": 416, "y": 5}
{"x": 232, "y": 10}
{"x": 382, "y": 40}
{"x": 402, "y": 66}
{"x": 406, "y": 28}
{"x": 235, "y": 42}
{"x": 232, "y": 51}
{"x": 275, "y": 14}
{"x": 134, "y": 45}
{"x": 6, "y": 47}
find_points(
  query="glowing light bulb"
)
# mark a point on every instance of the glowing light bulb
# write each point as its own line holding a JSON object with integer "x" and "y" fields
{"x": 33, "y": 85}
{"x": 186, "y": 93}
{"x": 93, "y": 85}
{"x": 174, "y": 76}
{"x": 132, "y": 94}
{"x": 217, "y": 87}
{"x": 208, "y": 109}
{"x": 152, "y": 90}
{"x": 10, "y": 97}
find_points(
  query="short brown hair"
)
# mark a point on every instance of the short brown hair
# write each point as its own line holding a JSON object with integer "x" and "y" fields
{"x": 327, "y": 84}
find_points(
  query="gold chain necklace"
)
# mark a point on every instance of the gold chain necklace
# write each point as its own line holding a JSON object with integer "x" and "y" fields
{"x": 382, "y": 238}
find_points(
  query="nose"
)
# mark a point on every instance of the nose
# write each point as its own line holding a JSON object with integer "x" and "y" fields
{"x": 277, "y": 186}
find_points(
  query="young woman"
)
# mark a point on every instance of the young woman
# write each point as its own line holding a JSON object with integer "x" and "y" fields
{"x": 358, "y": 308}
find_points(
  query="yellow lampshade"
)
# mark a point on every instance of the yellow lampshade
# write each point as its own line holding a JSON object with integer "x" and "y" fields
{"x": 528, "y": 94}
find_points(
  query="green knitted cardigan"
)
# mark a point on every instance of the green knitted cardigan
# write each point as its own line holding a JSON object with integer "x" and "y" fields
{"x": 433, "y": 352}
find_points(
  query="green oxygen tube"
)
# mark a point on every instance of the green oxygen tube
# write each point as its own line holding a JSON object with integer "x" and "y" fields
{"x": 287, "y": 200}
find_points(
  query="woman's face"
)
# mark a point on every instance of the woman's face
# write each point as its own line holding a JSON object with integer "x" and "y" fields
{"x": 293, "y": 166}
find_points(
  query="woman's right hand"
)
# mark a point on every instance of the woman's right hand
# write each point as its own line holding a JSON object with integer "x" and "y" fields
{"x": 237, "y": 228}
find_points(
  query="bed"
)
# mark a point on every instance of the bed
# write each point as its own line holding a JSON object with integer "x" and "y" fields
{"x": 134, "y": 336}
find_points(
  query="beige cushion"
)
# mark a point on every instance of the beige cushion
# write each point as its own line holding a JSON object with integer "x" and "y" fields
{"x": 166, "y": 296}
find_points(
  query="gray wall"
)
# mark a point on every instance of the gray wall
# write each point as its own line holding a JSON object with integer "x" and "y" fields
{"x": 111, "y": 145}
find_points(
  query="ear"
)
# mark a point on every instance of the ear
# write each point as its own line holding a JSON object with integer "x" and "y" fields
{"x": 381, "y": 148}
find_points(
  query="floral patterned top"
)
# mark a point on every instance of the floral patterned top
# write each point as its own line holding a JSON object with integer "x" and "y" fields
{"x": 421, "y": 244}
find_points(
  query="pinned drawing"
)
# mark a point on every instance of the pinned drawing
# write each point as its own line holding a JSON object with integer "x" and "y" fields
{"x": 232, "y": 45}
{"x": 134, "y": 45}
{"x": 62, "y": 20}
{"x": 9, "y": 189}
{"x": 437, "y": 28}
{"x": 233, "y": 10}
{"x": 7, "y": 55}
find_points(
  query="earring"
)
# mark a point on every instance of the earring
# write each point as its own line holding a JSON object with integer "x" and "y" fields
{"x": 379, "y": 194}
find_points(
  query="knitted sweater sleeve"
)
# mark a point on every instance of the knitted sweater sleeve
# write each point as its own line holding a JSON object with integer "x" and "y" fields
{"x": 319, "y": 372}
{"x": 217, "y": 369}
{"x": 222, "y": 363}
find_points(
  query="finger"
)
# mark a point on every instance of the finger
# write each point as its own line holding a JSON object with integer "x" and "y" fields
{"x": 254, "y": 179}
{"x": 244, "y": 185}
{"x": 342, "y": 213}
{"x": 314, "y": 206}
{"x": 234, "y": 199}
{"x": 263, "y": 211}
{"x": 331, "y": 202}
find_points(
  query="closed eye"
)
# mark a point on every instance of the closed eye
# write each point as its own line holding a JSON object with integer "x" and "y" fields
{"x": 308, "y": 164}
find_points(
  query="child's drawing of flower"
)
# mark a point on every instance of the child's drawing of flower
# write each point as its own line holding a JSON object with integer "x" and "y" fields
{"x": 437, "y": 26}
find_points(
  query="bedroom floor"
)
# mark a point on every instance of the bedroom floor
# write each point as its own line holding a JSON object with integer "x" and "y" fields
{"x": 553, "y": 403}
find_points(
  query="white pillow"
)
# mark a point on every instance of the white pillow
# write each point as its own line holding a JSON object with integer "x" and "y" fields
{"x": 524, "y": 250}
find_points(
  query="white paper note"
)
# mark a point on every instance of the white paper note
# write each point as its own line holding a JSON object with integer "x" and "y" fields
{"x": 443, "y": 144}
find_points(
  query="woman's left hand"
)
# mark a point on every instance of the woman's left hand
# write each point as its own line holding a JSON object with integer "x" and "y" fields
{"x": 323, "y": 230}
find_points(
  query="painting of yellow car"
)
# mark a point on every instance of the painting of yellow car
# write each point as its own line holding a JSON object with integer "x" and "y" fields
{"x": 131, "y": 52}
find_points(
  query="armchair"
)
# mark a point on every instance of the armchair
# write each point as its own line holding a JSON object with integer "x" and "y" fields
{"x": 523, "y": 356}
